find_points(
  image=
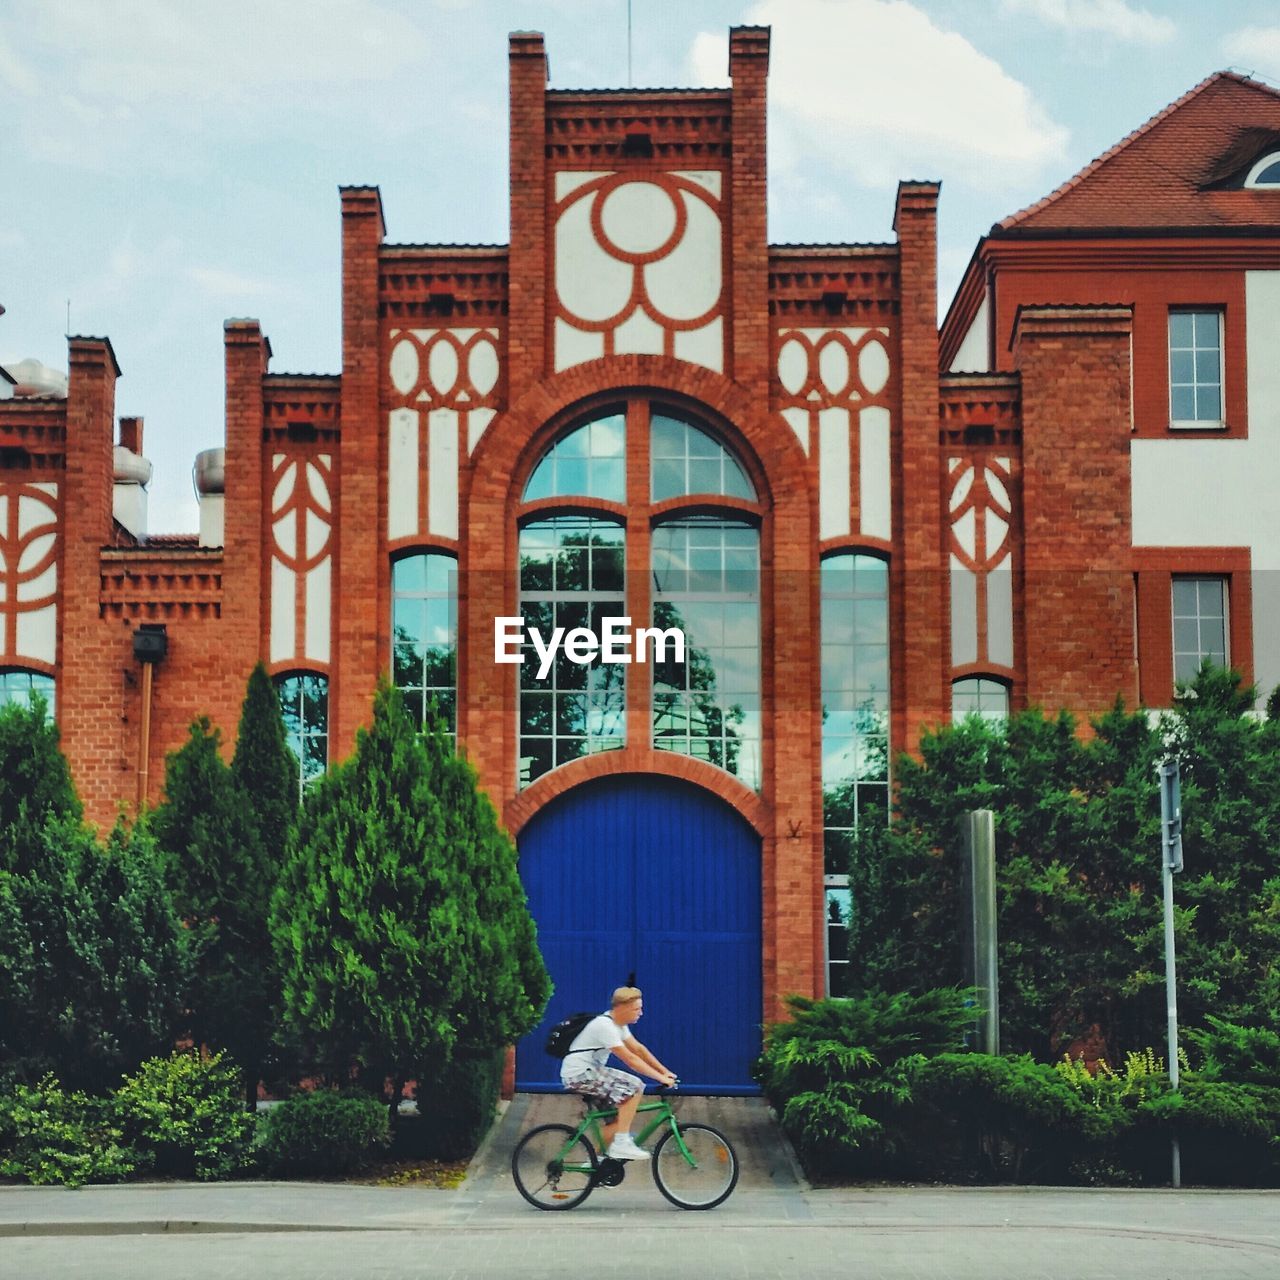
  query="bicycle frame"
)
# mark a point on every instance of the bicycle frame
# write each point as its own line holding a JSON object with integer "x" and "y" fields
{"x": 591, "y": 1122}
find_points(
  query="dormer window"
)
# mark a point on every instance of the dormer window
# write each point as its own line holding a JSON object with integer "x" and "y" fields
{"x": 1266, "y": 172}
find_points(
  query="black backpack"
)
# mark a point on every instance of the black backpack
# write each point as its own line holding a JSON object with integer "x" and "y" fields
{"x": 563, "y": 1034}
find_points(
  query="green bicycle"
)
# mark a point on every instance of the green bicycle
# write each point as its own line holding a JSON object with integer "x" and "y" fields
{"x": 555, "y": 1166}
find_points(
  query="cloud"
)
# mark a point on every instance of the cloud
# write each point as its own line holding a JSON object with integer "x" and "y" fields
{"x": 216, "y": 282}
{"x": 239, "y": 53}
{"x": 1257, "y": 48}
{"x": 1105, "y": 17}
{"x": 874, "y": 89}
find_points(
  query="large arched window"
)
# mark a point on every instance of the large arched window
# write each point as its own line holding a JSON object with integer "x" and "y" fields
{"x": 424, "y": 635}
{"x": 304, "y": 703}
{"x": 571, "y": 576}
{"x": 855, "y": 730}
{"x": 20, "y": 686}
{"x": 703, "y": 577}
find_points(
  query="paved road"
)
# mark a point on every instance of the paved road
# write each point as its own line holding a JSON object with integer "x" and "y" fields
{"x": 773, "y": 1226}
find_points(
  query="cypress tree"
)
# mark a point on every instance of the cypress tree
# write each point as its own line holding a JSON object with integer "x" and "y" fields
{"x": 396, "y": 921}
{"x": 265, "y": 770}
{"x": 208, "y": 829}
{"x": 35, "y": 783}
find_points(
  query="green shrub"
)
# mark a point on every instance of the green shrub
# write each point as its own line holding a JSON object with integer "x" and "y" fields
{"x": 838, "y": 1073}
{"x": 50, "y": 1136}
{"x": 186, "y": 1115}
{"x": 456, "y": 1106}
{"x": 322, "y": 1133}
{"x": 1246, "y": 1055}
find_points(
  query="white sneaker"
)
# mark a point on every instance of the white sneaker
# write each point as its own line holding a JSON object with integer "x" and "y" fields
{"x": 623, "y": 1147}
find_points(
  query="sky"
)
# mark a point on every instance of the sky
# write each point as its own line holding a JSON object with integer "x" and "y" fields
{"x": 166, "y": 165}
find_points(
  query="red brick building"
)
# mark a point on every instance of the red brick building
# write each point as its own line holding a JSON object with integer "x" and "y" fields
{"x": 641, "y": 408}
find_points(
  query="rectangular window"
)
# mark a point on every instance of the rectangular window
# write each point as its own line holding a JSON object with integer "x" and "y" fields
{"x": 1195, "y": 368}
{"x": 1199, "y": 624}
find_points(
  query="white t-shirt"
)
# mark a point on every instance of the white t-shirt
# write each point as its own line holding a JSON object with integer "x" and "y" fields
{"x": 592, "y": 1046}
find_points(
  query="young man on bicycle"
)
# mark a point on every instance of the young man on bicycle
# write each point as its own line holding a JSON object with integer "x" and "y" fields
{"x": 585, "y": 1069}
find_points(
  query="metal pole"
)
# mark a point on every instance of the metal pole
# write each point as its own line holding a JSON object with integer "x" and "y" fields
{"x": 1171, "y": 860}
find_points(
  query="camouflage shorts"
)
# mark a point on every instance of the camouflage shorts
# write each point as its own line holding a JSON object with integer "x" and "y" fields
{"x": 604, "y": 1082}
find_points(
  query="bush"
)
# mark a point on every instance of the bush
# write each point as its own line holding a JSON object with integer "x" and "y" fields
{"x": 456, "y": 1106}
{"x": 50, "y": 1136}
{"x": 837, "y": 1073}
{"x": 186, "y": 1115}
{"x": 1247, "y": 1055}
{"x": 323, "y": 1133}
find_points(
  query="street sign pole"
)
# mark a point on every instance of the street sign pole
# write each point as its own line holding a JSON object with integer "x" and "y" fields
{"x": 1171, "y": 861}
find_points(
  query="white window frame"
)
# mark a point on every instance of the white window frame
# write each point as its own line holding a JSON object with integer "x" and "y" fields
{"x": 1223, "y": 578}
{"x": 1259, "y": 168}
{"x": 1198, "y": 424}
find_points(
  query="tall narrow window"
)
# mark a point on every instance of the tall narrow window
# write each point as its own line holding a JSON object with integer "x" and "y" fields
{"x": 706, "y": 581}
{"x": 1195, "y": 367}
{"x": 304, "y": 703}
{"x": 855, "y": 731}
{"x": 571, "y": 576}
{"x": 1199, "y": 625}
{"x": 424, "y": 635}
{"x": 21, "y": 686}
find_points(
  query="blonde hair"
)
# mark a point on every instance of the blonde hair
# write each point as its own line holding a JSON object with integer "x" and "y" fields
{"x": 625, "y": 995}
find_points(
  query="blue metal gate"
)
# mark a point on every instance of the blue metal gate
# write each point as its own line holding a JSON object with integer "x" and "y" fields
{"x": 658, "y": 877}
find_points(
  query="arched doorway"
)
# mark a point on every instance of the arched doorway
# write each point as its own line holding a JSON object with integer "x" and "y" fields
{"x": 657, "y": 877}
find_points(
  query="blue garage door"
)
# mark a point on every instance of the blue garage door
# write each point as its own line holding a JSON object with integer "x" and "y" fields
{"x": 661, "y": 878}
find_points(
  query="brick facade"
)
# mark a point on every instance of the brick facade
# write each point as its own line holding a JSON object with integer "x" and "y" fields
{"x": 819, "y": 367}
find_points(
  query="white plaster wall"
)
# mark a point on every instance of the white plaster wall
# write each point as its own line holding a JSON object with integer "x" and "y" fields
{"x": 442, "y": 472}
{"x": 1214, "y": 493}
{"x": 874, "y": 479}
{"x": 972, "y": 355}
{"x": 833, "y": 473}
{"x": 213, "y": 519}
{"x": 402, "y": 474}
{"x": 283, "y": 622}
{"x": 1000, "y": 614}
{"x": 964, "y": 615}
{"x": 318, "y": 606}
{"x": 36, "y": 634}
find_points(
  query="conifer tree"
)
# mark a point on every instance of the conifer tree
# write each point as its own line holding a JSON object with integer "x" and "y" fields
{"x": 386, "y": 922}
{"x": 217, "y": 866}
{"x": 35, "y": 782}
{"x": 265, "y": 770}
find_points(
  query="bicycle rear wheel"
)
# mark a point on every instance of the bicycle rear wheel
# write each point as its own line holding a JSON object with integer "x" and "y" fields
{"x": 705, "y": 1177}
{"x": 552, "y": 1168}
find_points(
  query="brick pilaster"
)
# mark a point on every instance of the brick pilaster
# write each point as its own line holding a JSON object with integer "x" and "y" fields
{"x": 528, "y": 258}
{"x": 1078, "y": 554}
{"x": 89, "y": 688}
{"x": 246, "y": 354}
{"x": 360, "y": 577}
{"x": 748, "y": 303}
{"x": 920, "y": 674}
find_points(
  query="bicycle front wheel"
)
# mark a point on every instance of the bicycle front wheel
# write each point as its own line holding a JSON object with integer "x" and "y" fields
{"x": 554, "y": 1168}
{"x": 705, "y": 1176}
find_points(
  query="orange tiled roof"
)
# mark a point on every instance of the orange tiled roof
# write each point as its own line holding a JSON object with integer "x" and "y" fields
{"x": 1156, "y": 177}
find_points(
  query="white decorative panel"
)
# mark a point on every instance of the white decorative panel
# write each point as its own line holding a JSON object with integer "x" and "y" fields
{"x": 283, "y": 646}
{"x": 402, "y": 474}
{"x": 875, "y": 483}
{"x": 964, "y": 614}
{"x": 638, "y": 267}
{"x": 841, "y": 375}
{"x": 301, "y": 558}
{"x": 30, "y": 548}
{"x": 833, "y": 473}
{"x": 442, "y": 473}
{"x": 1000, "y": 615}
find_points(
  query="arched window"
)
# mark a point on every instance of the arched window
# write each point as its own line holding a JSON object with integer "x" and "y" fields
{"x": 706, "y": 581}
{"x": 980, "y": 696}
{"x": 704, "y": 578}
{"x": 588, "y": 462}
{"x": 304, "y": 703}
{"x": 571, "y": 576}
{"x": 1266, "y": 172}
{"x": 855, "y": 730}
{"x": 424, "y": 635}
{"x": 20, "y": 686}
